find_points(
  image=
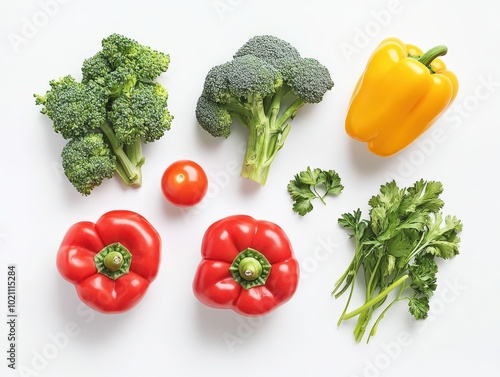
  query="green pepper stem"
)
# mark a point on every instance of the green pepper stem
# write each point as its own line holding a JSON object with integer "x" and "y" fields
{"x": 427, "y": 58}
{"x": 113, "y": 261}
{"x": 250, "y": 268}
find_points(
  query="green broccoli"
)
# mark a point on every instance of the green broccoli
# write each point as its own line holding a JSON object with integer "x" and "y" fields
{"x": 75, "y": 109}
{"x": 87, "y": 161}
{"x": 118, "y": 99}
{"x": 262, "y": 88}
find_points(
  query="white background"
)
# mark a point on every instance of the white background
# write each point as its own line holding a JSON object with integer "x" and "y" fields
{"x": 170, "y": 332}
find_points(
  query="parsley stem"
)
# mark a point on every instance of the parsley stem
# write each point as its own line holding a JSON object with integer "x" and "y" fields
{"x": 373, "y": 331}
{"x": 376, "y": 299}
{"x": 363, "y": 320}
{"x": 371, "y": 287}
{"x": 318, "y": 195}
{"x": 348, "y": 300}
{"x": 417, "y": 248}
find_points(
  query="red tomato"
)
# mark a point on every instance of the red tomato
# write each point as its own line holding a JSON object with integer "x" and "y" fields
{"x": 184, "y": 183}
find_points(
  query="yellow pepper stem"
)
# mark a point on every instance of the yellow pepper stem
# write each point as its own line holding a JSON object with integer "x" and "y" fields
{"x": 427, "y": 58}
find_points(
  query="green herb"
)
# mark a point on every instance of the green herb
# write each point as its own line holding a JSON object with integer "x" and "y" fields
{"x": 395, "y": 250}
{"x": 311, "y": 184}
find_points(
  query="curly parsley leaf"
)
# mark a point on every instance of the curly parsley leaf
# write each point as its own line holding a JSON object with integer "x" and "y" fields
{"x": 311, "y": 184}
{"x": 419, "y": 307}
{"x": 423, "y": 275}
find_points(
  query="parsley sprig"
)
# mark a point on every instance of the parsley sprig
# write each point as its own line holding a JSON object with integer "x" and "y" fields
{"x": 396, "y": 250}
{"x": 311, "y": 184}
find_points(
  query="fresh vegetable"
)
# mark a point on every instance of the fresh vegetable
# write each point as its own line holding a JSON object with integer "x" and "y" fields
{"x": 311, "y": 184}
{"x": 107, "y": 115}
{"x": 111, "y": 262}
{"x": 399, "y": 96}
{"x": 396, "y": 250}
{"x": 184, "y": 183}
{"x": 262, "y": 88}
{"x": 247, "y": 265}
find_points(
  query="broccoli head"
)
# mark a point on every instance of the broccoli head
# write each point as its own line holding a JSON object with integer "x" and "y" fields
{"x": 96, "y": 68}
{"x": 141, "y": 115}
{"x": 118, "y": 99}
{"x": 213, "y": 118}
{"x": 271, "y": 49}
{"x": 262, "y": 88}
{"x": 87, "y": 161}
{"x": 308, "y": 79}
{"x": 147, "y": 63}
{"x": 249, "y": 76}
{"x": 74, "y": 108}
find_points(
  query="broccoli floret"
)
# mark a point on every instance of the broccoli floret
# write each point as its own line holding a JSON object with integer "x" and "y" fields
{"x": 120, "y": 82}
{"x": 273, "y": 50}
{"x": 308, "y": 79}
{"x": 116, "y": 98}
{"x": 141, "y": 115}
{"x": 77, "y": 110}
{"x": 74, "y": 108}
{"x": 147, "y": 63}
{"x": 87, "y": 161}
{"x": 216, "y": 87}
{"x": 213, "y": 118}
{"x": 249, "y": 76}
{"x": 96, "y": 68}
{"x": 262, "y": 88}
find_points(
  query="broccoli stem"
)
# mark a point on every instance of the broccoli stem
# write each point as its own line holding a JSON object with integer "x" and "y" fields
{"x": 267, "y": 134}
{"x": 123, "y": 176}
{"x": 134, "y": 153}
{"x": 127, "y": 171}
{"x": 290, "y": 112}
{"x": 256, "y": 165}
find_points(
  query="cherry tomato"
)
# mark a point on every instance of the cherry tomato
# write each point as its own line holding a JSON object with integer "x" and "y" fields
{"x": 184, "y": 183}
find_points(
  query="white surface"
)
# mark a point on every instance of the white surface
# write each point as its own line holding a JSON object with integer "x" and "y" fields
{"x": 169, "y": 332}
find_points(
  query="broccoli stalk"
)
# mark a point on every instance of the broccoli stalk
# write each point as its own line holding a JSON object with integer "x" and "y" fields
{"x": 262, "y": 88}
{"x": 126, "y": 166}
{"x": 267, "y": 134}
{"x": 118, "y": 99}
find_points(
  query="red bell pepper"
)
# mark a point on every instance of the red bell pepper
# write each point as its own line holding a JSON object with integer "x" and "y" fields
{"x": 247, "y": 265}
{"x": 112, "y": 262}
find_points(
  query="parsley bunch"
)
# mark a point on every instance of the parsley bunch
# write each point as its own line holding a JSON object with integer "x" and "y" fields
{"x": 395, "y": 250}
{"x": 311, "y": 184}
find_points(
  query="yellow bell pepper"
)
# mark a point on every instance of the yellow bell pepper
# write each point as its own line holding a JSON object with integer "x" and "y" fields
{"x": 398, "y": 97}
